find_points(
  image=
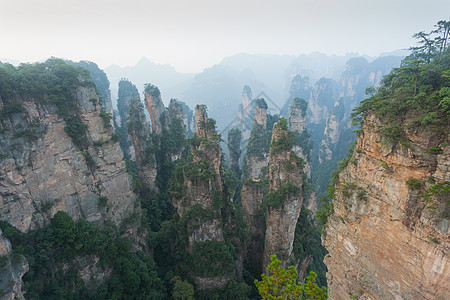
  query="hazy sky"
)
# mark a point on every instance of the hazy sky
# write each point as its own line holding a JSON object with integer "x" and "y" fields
{"x": 194, "y": 34}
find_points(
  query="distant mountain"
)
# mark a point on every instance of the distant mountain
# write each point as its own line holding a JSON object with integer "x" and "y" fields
{"x": 146, "y": 71}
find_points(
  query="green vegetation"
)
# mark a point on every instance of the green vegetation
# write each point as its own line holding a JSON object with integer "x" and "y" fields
{"x": 234, "y": 147}
{"x": 260, "y": 102}
{"x": 420, "y": 88}
{"x": 301, "y": 104}
{"x": 53, "y": 82}
{"x": 414, "y": 184}
{"x": 282, "y": 284}
{"x": 285, "y": 141}
{"x": 49, "y": 249}
{"x": 276, "y": 199}
{"x": 386, "y": 166}
{"x": 152, "y": 90}
{"x": 106, "y": 118}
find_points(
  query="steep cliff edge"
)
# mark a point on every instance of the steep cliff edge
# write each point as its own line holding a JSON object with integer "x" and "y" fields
{"x": 388, "y": 237}
{"x": 58, "y": 152}
{"x": 284, "y": 200}
{"x": 200, "y": 196}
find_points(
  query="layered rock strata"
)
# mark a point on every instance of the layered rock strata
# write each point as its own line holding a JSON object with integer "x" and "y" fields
{"x": 43, "y": 171}
{"x": 388, "y": 237}
{"x": 284, "y": 198}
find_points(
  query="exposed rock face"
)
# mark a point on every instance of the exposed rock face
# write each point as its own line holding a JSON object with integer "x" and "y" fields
{"x": 155, "y": 108}
{"x": 127, "y": 91}
{"x": 49, "y": 173}
{"x": 261, "y": 112}
{"x": 139, "y": 132}
{"x": 285, "y": 183}
{"x": 245, "y": 119}
{"x": 332, "y": 132}
{"x": 324, "y": 90}
{"x": 389, "y": 239}
{"x": 257, "y": 156}
{"x": 12, "y": 268}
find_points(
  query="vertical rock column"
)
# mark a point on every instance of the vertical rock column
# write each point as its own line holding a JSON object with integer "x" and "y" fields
{"x": 234, "y": 147}
{"x": 284, "y": 200}
{"x": 257, "y": 155}
{"x": 155, "y": 108}
{"x": 139, "y": 133}
{"x": 200, "y": 202}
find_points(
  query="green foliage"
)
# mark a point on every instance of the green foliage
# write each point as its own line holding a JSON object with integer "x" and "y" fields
{"x": 394, "y": 134}
{"x": 106, "y": 118}
{"x": 302, "y": 104}
{"x": 324, "y": 211}
{"x": 102, "y": 201}
{"x": 198, "y": 170}
{"x": 420, "y": 87}
{"x": 89, "y": 159}
{"x": 259, "y": 141}
{"x": 282, "y": 123}
{"x": 116, "y": 136}
{"x": 260, "y": 102}
{"x": 212, "y": 258}
{"x": 11, "y": 108}
{"x": 441, "y": 188}
{"x": 76, "y": 130}
{"x": 276, "y": 199}
{"x": 282, "y": 284}
{"x": 182, "y": 290}
{"x": 30, "y": 134}
{"x": 307, "y": 242}
{"x": 49, "y": 249}
{"x": 284, "y": 142}
{"x": 152, "y": 90}
{"x": 386, "y": 166}
{"x": 414, "y": 183}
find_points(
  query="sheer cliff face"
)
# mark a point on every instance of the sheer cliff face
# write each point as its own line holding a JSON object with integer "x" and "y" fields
{"x": 42, "y": 171}
{"x": 155, "y": 108}
{"x": 388, "y": 237}
{"x": 139, "y": 133}
{"x": 14, "y": 266}
{"x": 257, "y": 156}
{"x": 285, "y": 183}
{"x": 202, "y": 205}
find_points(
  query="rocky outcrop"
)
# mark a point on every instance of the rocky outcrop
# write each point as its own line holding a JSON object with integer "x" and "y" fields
{"x": 244, "y": 120}
{"x": 332, "y": 132}
{"x": 139, "y": 132}
{"x": 127, "y": 92}
{"x": 42, "y": 171}
{"x": 388, "y": 237}
{"x": 284, "y": 201}
{"x": 12, "y": 267}
{"x": 261, "y": 112}
{"x": 257, "y": 155}
{"x": 322, "y": 97}
{"x": 201, "y": 202}
{"x": 155, "y": 108}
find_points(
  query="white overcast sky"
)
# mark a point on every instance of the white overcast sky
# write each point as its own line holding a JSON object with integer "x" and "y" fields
{"x": 194, "y": 34}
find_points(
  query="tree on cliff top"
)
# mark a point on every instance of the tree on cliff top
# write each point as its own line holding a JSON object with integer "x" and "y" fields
{"x": 282, "y": 284}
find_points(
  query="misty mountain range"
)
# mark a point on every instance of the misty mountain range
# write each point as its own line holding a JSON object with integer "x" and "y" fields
{"x": 220, "y": 86}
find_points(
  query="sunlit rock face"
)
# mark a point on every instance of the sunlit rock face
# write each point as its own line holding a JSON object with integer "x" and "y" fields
{"x": 388, "y": 237}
